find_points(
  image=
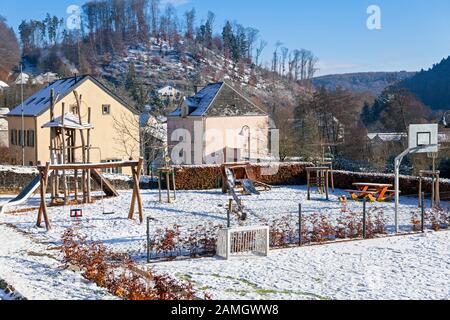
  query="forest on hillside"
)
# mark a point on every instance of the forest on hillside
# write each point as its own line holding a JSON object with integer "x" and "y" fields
{"x": 432, "y": 86}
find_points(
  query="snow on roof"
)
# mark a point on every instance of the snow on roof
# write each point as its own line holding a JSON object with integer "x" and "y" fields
{"x": 70, "y": 122}
{"x": 22, "y": 78}
{"x": 45, "y": 78}
{"x": 40, "y": 101}
{"x": 3, "y": 84}
{"x": 386, "y": 137}
{"x": 200, "y": 103}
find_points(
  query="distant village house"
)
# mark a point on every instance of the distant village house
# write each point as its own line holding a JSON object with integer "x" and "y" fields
{"x": 221, "y": 124}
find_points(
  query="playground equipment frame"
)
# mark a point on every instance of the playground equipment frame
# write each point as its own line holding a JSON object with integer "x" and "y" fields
{"x": 136, "y": 168}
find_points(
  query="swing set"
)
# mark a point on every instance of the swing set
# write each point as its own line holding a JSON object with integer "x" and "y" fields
{"x": 136, "y": 169}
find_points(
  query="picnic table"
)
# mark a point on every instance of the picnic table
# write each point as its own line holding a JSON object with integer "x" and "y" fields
{"x": 373, "y": 191}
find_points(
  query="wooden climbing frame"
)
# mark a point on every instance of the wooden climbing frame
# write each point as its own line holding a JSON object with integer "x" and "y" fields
{"x": 136, "y": 169}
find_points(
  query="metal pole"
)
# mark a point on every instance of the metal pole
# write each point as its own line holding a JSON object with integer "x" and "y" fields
{"x": 423, "y": 213}
{"x": 398, "y": 161}
{"x": 364, "y": 219}
{"x": 23, "y": 119}
{"x": 148, "y": 239}
{"x": 300, "y": 229}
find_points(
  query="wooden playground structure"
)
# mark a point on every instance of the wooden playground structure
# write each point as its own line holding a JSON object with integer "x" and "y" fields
{"x": 242, "y": 172}
{"x": 44, "y": 172}
{"x": 63, "y": 164}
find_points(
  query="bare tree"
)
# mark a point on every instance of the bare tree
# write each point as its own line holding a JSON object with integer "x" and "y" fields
{"x": 259, "y": 50}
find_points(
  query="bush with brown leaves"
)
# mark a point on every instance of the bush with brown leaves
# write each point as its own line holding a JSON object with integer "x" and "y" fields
{"x": 119, "y": 274}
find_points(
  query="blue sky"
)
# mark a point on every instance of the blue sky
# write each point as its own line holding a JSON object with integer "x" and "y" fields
{"x": 414, "y": 34}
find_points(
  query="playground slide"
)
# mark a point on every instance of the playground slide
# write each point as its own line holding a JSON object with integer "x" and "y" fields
{"x": 26, "y": 193}
{"x": 249, "y": 187}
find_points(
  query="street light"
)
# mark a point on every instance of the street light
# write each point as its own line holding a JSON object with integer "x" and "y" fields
{"x": 446, "y": 119}
{"x": 242, "y": 133}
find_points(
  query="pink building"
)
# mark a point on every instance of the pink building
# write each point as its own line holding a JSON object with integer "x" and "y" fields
{"x": 217, "y": 125}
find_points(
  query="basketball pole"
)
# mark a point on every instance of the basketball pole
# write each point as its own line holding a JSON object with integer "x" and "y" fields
{"x": 398, "y": 162}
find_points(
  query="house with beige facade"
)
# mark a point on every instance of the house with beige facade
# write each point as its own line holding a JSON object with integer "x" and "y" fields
{"x": 218, "y": 125}
{"x": 3, "y": 127}
{"x": 113, "y": 125}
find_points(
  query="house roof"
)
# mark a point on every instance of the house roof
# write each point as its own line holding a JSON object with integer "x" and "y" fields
{"x": 39, "y": 102}
{"x": 218, "y": 100}
{"x": 3, "y": 84}
{"x": 70, "y": 122}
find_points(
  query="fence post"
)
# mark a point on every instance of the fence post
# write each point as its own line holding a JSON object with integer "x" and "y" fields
{"x": 423, "y": 213}
{"x": 364, "y": 219}
{"x": 300, "y": 229}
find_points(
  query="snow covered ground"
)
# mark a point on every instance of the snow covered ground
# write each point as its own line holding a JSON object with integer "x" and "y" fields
{"x": 403, "y": 267}
{"x": 35, "y": 270}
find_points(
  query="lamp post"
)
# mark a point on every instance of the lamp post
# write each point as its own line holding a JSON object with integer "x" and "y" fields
{"x": 445, "y": 121}
{"x": 22, "y": 133}
{"x": 242, "y": 133}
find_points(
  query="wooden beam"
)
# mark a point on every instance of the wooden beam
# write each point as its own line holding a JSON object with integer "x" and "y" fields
{"x": 43, "y": 206}
{"x": 136, "y": 172}
{"x": 86, "y": 166}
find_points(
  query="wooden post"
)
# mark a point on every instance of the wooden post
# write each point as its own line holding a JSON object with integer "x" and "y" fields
{"x": 43, "y": 206}
{"x": 83, "y": 149}
{"x": 63, "y": 152}
{"x": 168, "y": 187}
{"x": 174, "y": 185}
{"x": 76, "y": 185}
{"x": 229, "y": 211}
{"x": 159, "y": 186}
{"x": 136, "y": 171}
{"x": 332, "y": 177}
{"x": 326, "y": 183}
{"x": 88, "y": 159}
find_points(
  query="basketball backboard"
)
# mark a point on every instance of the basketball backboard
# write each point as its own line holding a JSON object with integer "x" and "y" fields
{"x": 423, "y": 138}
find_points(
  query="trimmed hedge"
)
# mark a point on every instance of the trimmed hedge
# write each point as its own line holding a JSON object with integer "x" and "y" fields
{"x": 210, "y": 177}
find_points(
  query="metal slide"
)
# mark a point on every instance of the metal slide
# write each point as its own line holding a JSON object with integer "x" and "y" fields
{"x": 26, "y": 193}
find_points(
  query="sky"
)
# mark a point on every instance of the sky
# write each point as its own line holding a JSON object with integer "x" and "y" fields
{"x": 413, "y": 34}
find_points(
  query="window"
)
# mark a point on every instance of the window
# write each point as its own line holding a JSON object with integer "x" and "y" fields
{"x": 30, "y": 138}
{"x": 20, "y": 142}
{"x": 12, "y": 137}
{"x": 112, "y": 170}
{"x": 74, "y": 109}
{"x": 106, "y": 109}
